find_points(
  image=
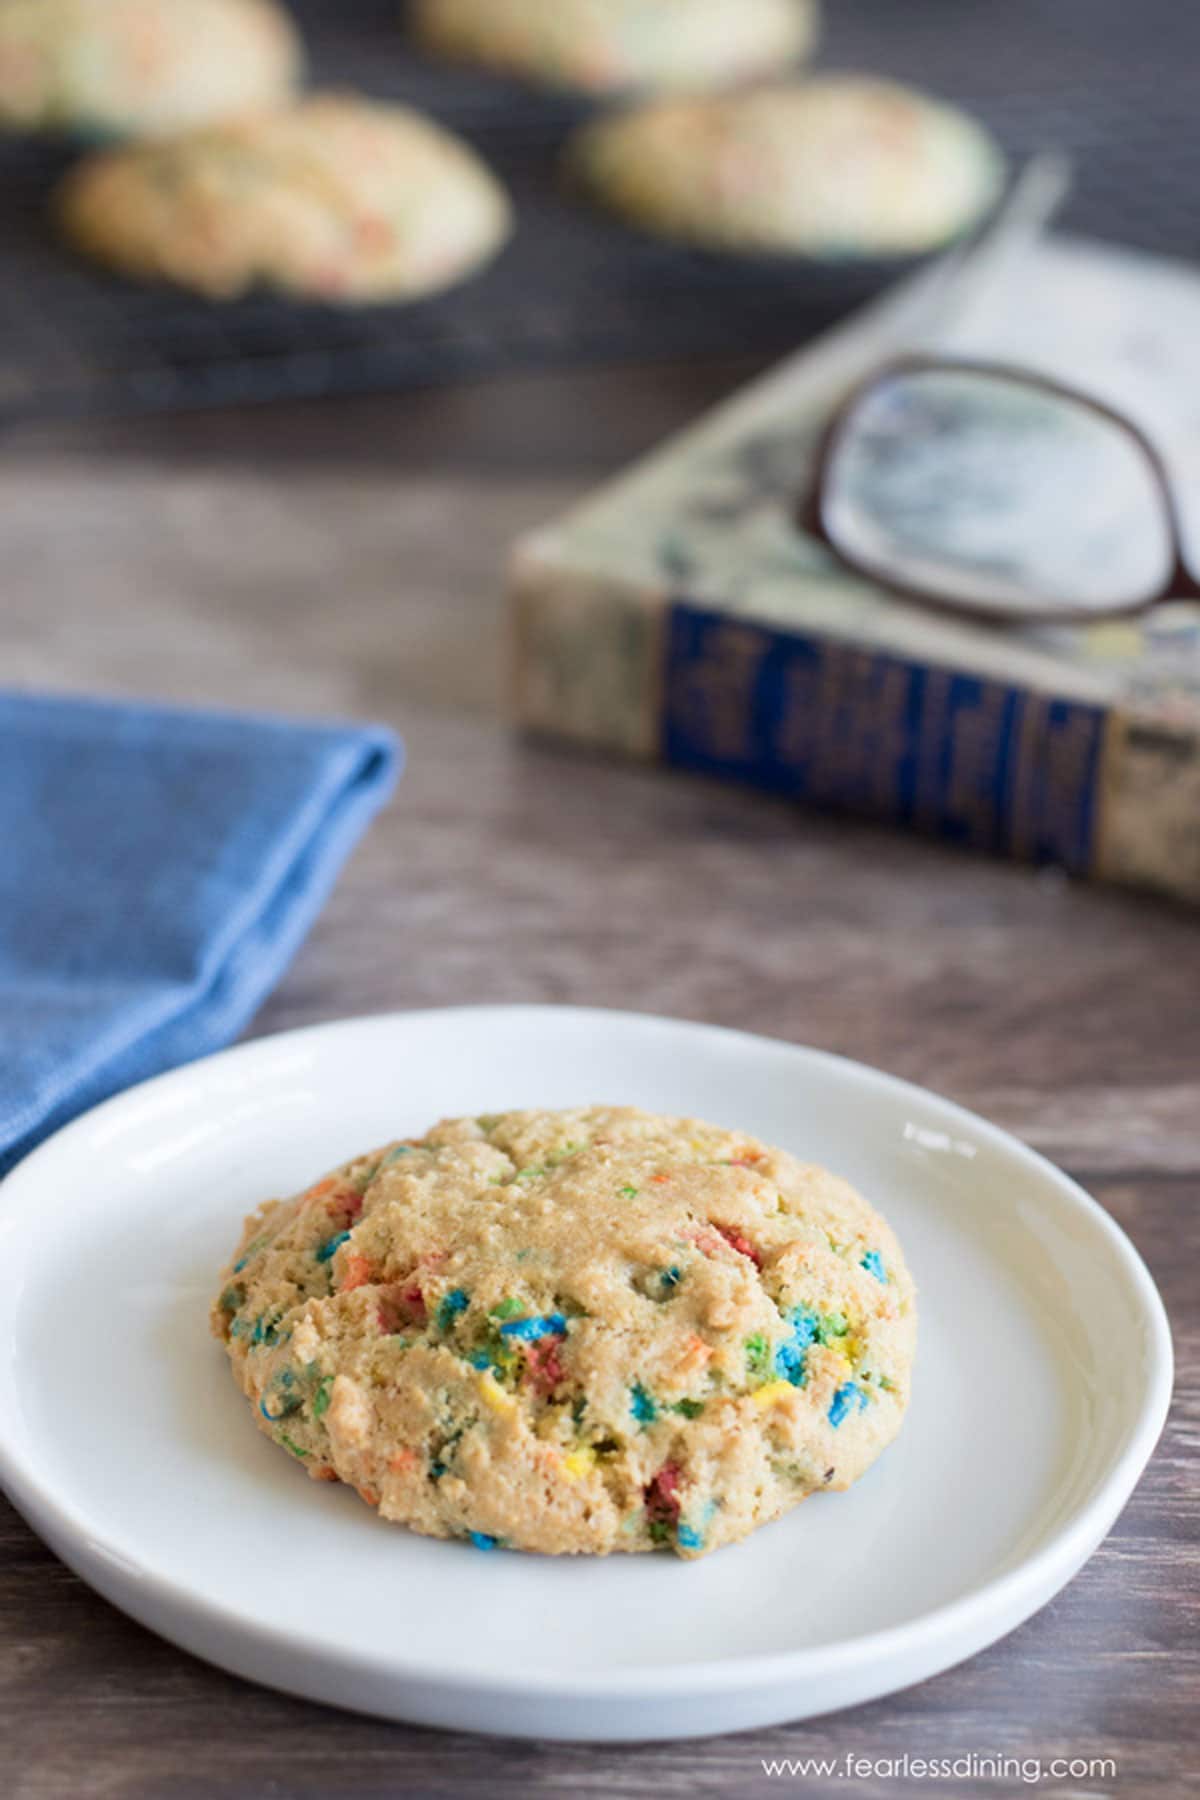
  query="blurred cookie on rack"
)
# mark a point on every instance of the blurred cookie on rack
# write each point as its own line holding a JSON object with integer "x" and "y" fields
{"x": 839, "y": 166}
{"x": 337, "y": 198}
{"x": 141, "y": 68}
{"x": 607, "y": 46}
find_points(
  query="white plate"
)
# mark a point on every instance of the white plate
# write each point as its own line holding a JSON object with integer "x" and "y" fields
{"x": 126, "y": 1445}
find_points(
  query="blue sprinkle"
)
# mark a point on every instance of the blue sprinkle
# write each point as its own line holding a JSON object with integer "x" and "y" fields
{"x": 552, "y": 1325}
{"x": 240, "y": 1264}
{"x": 671, "y": 1277}
{"x": 274, "y": 1418}
{"x": 452, "y": 1304}
{"x": 331, "y": 1246}
{"x": 641, "y": 1405}
{"x": 482, "y": 1541}
{"x": 479, "y": 1359}
{"x": 843, "y": 1402}
{"x": 872, "y": 1262}
{"x": 791, "y": 1356}
{"x": 400, "y": 1150}
{"x": 689, "y": 1538}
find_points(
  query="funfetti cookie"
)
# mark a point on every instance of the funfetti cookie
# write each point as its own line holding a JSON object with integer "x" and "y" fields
{"x": 839, "y": 166}
{"x": 134, "y": 68}
{"x": 592, "y": 1330}
{"x": 606, "y": 46}
{"x": 336, "y": 198}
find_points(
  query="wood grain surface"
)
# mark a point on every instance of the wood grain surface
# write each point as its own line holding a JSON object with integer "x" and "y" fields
{"x": 344, "y": 559}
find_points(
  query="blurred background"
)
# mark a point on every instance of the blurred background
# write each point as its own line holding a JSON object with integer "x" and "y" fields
{"x": 1111, "y": 84}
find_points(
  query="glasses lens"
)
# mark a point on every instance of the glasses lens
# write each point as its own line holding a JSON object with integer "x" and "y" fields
{"x": 993, "y": 493}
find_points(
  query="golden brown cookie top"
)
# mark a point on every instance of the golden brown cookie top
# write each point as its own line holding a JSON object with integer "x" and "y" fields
{"x": 573, "y": 1330}
{"x": 141, "y": 67}
{"x": 840, "y": 165}
{"x": 604, "y": 46}
{"x": 337, "y": 196}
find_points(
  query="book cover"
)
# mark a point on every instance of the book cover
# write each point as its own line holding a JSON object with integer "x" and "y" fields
{"x": 680, "y": 615}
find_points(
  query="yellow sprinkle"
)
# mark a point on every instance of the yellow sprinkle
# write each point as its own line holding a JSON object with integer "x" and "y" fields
{"x": 495, "y": 1395}
{"x": 772, "y": 1394}
{"x": 578, "y": 1463}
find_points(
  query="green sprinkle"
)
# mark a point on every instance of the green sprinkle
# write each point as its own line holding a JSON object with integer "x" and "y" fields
{"x": 758, "y": 1354}
{"x": 529, "y": 1174}
{"x": 320, "y": 1405}
{"x": 287, "y": 1443}
{"x": 506, "y": 1309}
{"x": 660, "y": 1531}
{"x": 395, "y": 1155}
{"x": 231, "y": 1299}
{"x": 888, "y": 1386}
{"x": 691, "y": 1409}
{"x": 628, "y": 1193}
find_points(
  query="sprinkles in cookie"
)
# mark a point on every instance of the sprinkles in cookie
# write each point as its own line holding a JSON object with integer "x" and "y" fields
{"x": 581, "y": 1331}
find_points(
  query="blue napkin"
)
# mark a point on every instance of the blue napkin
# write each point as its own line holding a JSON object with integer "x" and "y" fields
{"x": 158, "y": 870}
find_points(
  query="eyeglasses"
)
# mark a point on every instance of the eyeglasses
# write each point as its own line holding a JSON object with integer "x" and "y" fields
{"x": 993, "y": 492}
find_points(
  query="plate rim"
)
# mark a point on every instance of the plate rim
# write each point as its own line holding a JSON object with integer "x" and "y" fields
{"x": 1008, "y": 1597}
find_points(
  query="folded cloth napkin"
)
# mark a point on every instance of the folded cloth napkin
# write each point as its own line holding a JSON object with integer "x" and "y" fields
{"x": 158, "y": 870}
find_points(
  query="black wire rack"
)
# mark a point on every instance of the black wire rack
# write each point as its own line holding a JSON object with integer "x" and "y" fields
{"x": 1111, "y": 83}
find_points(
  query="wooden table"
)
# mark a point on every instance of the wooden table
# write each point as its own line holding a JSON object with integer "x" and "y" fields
{"x": 344, "y": 559}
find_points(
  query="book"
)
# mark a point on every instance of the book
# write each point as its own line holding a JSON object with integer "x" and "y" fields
{"x": 680, "y": 615}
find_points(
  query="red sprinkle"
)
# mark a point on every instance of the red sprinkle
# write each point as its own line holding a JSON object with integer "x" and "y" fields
{"x": 739, "y": 1242}
{"x": 662, "y": 1495}
{"x": 414, "y": 1300}
{"x": 544, "y": 1365}
{"x": 346, "y": 1206}
{"x": 402, "y": 1307}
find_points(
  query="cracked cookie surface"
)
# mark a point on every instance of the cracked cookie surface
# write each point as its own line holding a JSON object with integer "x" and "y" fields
{"x": 587, "y": 1330}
